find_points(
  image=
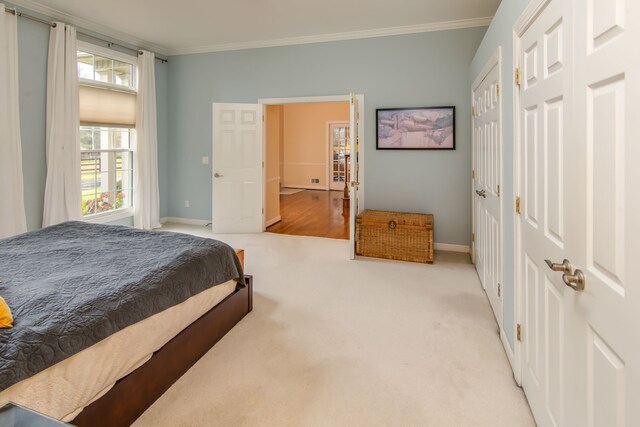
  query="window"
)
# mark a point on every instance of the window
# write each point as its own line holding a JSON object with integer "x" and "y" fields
{"x": 107, "y": 70}
{"x": 107, "y": 129}
{"x": 106, "y": 159}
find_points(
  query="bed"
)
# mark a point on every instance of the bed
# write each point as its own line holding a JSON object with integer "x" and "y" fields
{"x": 108, "y": 317}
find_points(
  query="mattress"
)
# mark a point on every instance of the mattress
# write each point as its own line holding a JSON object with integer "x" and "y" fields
{"x": 64, "y": 389}
{"x": 74, "y": 284}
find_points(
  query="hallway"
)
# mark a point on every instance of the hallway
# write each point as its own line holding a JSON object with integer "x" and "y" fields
{"x": 313, "y": 213}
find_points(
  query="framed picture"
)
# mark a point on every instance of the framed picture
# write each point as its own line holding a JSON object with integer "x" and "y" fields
{"x": 429, "y": 128}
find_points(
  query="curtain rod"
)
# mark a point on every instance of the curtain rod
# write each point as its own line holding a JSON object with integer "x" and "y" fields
{"x": 53, "y": 24}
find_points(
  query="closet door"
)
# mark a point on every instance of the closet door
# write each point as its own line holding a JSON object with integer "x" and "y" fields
{"x": 603, "y": 232}
{"x": 487, "y": 148}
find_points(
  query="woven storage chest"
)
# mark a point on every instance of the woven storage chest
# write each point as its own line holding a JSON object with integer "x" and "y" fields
{"x": 393, "y": 235}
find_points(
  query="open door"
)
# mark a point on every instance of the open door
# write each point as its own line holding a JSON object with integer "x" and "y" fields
{"x": 355, "y": 173}
{"x": 237, "y": 168}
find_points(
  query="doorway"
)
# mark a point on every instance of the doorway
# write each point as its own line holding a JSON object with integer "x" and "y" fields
{"x": 307, "y": 169}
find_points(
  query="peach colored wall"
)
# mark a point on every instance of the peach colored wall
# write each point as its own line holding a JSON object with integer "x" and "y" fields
{"x": 305, "y": 141}
{"x": 274, "y": 118}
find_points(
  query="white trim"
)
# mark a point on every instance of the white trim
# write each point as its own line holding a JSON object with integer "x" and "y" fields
{"x": 264, "y": 170}
{"x": 136, "y": 42}
{"x": 305, "y": 187}
{"x": 517, "y": 312}
{"x": 492, "y": 63}
{"x": 465, "y": 249}
{"x": 530, "y": 13}
{"x": 304, "y": 99}
{"x": 104, "y": 217}
{"x": 349, "y": 35}
{"x": 509, "y": 352}
{"x": 107, "y": 52}
{"x": 303, "y": 164}
{"x": 91, "y": 26}
{"x": 528, "y": 16}
{"x": 272, "y": 221}
{"x": 496, "y": 59}
{"x": 186, "y": 221}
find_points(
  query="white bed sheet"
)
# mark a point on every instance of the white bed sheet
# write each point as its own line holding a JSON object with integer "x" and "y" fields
{"x": 64, "y": 389}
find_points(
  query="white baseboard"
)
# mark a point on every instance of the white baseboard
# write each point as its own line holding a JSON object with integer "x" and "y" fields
{"x": 452, "y": 248}
{"x": 510, "y": 355}
{"x": 186, "y": 221}
{"x": 304, "y": 187}
{"x": 272, "y": 221}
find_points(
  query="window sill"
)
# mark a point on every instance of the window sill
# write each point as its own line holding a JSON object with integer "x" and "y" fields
{"x": 105, "y": 217}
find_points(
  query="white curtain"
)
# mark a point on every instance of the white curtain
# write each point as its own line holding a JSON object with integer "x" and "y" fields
{"x": 146, "y": 195}
{"x": 62, "y": 195}
{"x": 12, "y": 214}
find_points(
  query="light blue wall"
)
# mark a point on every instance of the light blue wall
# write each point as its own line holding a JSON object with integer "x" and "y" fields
{"x": 33, "y": 45}
{"x": 429, "y": 69}
{"x": 500, "y": 33}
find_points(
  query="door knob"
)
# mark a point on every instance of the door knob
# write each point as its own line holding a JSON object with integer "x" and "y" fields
{"x": 576, "y": 281}
{"x": 482, "y": 193}
{"x": 565, "y": 267}
{"x": 217, "y": 175}
{"x": 355, "y": 183}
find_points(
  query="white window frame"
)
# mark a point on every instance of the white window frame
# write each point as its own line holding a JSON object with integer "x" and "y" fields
{"x": 122, "y": 213}
{"x": 112, "y": 54}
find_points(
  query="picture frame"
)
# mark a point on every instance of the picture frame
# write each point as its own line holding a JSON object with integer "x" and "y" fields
{"x": 422, "y": 128}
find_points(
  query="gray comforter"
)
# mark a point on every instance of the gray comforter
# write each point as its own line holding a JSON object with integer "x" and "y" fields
{"x": 74, "y": 284}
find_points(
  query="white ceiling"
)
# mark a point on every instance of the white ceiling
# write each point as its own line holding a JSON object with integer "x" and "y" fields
{"x": 199, "y": 25}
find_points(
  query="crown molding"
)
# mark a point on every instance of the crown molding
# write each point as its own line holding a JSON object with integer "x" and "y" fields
{"x": 121, "y": 36}
{"x": 89, "y": 25}
{"x": 351, "y": 35}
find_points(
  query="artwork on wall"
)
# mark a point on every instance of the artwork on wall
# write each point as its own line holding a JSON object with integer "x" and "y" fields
{"x": 429, "y": 128}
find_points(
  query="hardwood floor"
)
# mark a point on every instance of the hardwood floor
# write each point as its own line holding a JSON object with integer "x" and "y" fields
{"x": 313, "y": 213}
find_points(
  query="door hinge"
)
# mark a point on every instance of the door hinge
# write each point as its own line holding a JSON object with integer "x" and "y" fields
{"x": 518, "y": 76}
{"x": 519, "y": 332}
{"x": 473, "y": 174}
{"x": 263, "y": 163}
{"x": 498, "y": 289}
{"x": 498, "y": 191}
{"x": 473, "y": 111}
{"x": 263, "y": 117}
{"x": 497, "y": 90}
{"x": 518, "y": 205}
{"x": 263, "y": 211}
{"x": 473, "y": 237}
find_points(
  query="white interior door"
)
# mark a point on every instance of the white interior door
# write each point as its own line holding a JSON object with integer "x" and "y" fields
{"x": 603, "y": 326}
{"x": 237, "y": 168}
{"x": 354, "y": 140}
{"x": 546, "y": 165}
{"x": 579, "y": 174}
{"x": 487, "y": 148}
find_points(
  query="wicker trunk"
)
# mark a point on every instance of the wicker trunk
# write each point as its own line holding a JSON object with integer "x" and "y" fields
{"x": 393, "y": 235}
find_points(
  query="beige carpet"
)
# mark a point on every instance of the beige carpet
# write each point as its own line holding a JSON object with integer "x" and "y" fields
{"x": 333, "y": 342}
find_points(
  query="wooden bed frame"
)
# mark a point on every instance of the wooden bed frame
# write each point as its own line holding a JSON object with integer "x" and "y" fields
{"x": 136, "y": 392}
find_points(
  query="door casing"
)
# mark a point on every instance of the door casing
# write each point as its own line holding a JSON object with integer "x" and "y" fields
{"x": 494, "y": 61}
